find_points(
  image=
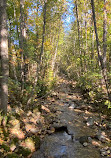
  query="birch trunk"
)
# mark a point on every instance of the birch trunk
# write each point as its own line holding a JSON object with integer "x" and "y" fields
{"x": 4, "y": 57}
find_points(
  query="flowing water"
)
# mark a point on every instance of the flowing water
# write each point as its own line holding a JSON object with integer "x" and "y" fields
{"x": 69, "y": 125}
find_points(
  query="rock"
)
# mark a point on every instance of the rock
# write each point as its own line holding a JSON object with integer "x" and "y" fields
{"x": 12, "y": 147}
{"x": 108, "y": 151}
{"x": 85, "y": 144}
{"x": 50, "y": 132}
{"x": 72, "y": 106}
{"x": 90, "y": 121}
{"x": 59, "y": 125}
{"x": 73, "y": 138}
{"x": 37, "y": 154}
{"x": 101, "y": 136}
{"x": 89, "y": 139}
{"x": 82, "y": 107}
{"x": 83, "y": 139}
{"x": 96, "y": 143}
{"x": 105, "y": 151}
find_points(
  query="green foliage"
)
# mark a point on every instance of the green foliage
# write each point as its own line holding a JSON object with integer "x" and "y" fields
{"x": 5, "y": 147}
{"x": 12, "y": 155}
{"x": 14, "y": 90}
{"x": 41, "y": 88}
{"x": 89, "y": 80}
{"x": 36, "y": 140}
{"x": 23, "y": 151}
{"x": 108, "y": 104}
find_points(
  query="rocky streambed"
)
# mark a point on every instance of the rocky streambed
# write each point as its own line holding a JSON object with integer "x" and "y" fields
{"x": 75, "y": 130}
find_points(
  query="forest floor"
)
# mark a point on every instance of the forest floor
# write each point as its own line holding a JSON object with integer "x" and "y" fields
{"x": 65, "y": 126}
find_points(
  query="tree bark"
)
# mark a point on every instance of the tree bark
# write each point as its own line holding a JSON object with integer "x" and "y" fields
{"x": 41, "y": 54}
{"x": 99, "y": 52}
{"x": 22, "y": 42}
{"x": 12, "y": 68}
{"x": 104, "y": 35}
{"x": 4, "y": 57}
{"x": 37, "y": 28}
{"x": 56, "y": 50}
{"x": 78, "y": 28}
{"x": 43, "y": 34}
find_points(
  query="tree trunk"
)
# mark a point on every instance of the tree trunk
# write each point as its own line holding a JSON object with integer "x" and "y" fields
{"x": 22, "y": 42}
{"x": 99, "y": 52}
{"x": 104, "y": 35}
{"x": 37, "y": 28}
{"x": 43, "y": 34}
{"x": 78, "y": 28}
{"x": 41, "y": 54}
{"x": 55, "y": 52}
{"x": 4, "y": 57}
{"x": 12, "y": 68}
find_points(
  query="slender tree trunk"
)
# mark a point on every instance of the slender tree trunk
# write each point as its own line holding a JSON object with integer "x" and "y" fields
{"x": 22, "y": 42}
{"x": 42, "y": 46}
{"x": 97, "y": 40}
{"x": 99, "y": 52}
{"x": 56, "y": 49}
{"x": 86, "y": 4}
{"x": 37, "y": 28}
{"x": 9, "y": 48}
{"x": 92, "y": 45}
{"x": 43, "y": 34}
{"x": 104, "y": 35}
{"x": 41, "y": 53}
{"x": 12, "y": 68}
{"x": 18, "y": 68}
{"x": 78, "y": 28}
{"x": 92, "y": 49}
{"x": 86, "y": 45}
{"x": 4, "y": 57}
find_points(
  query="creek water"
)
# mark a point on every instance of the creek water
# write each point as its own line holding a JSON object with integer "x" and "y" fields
{"x": 64, "y": 142}
{"x": 66, "y": 145}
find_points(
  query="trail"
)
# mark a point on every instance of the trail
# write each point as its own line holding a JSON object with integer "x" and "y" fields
{"x": 73, "y": 129}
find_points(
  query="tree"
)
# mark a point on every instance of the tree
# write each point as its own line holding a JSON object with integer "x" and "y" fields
{"x": 78, "y": 28}
{"x": 102, "y": 64}
{"x": 22, "y": 41}
{"x": 41, "y": 54}
{"x": 4, "y": 57}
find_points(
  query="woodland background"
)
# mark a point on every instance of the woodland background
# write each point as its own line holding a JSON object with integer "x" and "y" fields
{"x": 47, "y": 38}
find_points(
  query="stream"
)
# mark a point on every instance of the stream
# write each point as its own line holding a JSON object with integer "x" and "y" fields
{"x": 72, "y": 138}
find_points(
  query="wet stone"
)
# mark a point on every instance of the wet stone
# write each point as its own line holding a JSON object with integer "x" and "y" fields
{"x": 85, "y": 144}
{"x": 101, "y": 135}
{"x": 83, "y": 139}
{"x": 72, "y": 106}
{"x": 90, "y": 121}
